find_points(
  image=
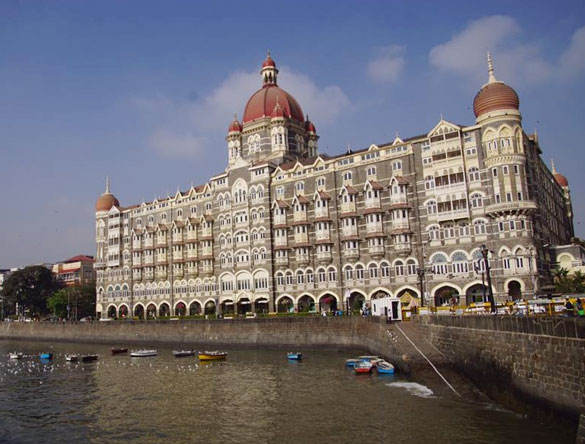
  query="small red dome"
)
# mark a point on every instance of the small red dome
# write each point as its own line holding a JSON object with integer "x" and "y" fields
{"x": 310, "y": 127}
{"x": 268, "y": 62}
{"x": 235, "y": 126}
{"x": 495, "y": 96}
{"x": 263, "y": 101}
{"x": 561, "y": 180}
{"x": 105, "y": 202}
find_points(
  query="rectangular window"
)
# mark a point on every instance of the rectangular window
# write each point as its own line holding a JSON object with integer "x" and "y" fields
{"x": 494, "y": 172}
{"x": 505, "y": 169}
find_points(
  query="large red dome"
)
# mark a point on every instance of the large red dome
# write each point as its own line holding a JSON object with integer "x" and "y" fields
{"x": 495, "y": 96}
{"x": 262, "y": 103}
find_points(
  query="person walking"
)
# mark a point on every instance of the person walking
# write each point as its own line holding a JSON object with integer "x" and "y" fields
{"x": 579, "y": 306}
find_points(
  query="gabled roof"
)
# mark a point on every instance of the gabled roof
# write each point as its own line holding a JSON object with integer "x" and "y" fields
{"x": 443, "y": 127}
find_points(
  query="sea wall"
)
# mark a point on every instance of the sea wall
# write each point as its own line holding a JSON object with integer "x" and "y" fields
{"x": 522, "y": 362}
{"x": 346, "y": 332}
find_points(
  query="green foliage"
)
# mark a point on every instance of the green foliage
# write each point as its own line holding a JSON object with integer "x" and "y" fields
{"x": 30, "y": 288}
{"x": 569, "y": 284}
{"x": 80, "y": 298}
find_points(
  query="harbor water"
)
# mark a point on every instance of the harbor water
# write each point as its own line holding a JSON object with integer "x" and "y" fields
{"x": 255, "y": 396}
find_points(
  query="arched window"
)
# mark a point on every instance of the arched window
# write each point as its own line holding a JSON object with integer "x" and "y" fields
{"x": 410, "y": 267}
{"x": 385, "y": 269}
{"x": 439, "y": 263}
{"x": 399, "y": 268}
{"x": 434, "y": 233}
{"x": 332, "y": 274}
{"x": 476, "y": 200}
{"x": 373, "y": 271}
{"x": 348, "y": 272}
{"x": 460, "y": 264}
{"x": 473, "y": 174}
{"x": 479, "y": 227}
{"x": 429, "y": 183}
{"x": 321, "y": 275}
{"x": 431, "y": 207}
{"x": 359, "y": 272}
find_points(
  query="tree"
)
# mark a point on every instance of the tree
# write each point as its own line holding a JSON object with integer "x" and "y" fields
{"x": 568, "y": 283}
{"x": 29, "y": 288}
{"x": 80, "y": 299}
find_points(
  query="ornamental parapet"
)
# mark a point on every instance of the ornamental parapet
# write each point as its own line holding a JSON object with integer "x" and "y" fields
{"x": 510, "y": 207}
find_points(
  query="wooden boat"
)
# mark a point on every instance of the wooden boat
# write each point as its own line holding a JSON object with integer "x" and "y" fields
{"x": 385, "y": 367}
{"x": 46, "y": 356}
{"x": 294, "y": 356}
{"x": 142, "y": 353}
{"x": 183, "y": 353}
{"x": 89, "y": 358}
{"x": 212, "y": 355}
{"x": 72, "y": 358}
{"x": 16, "y": 355}
{"x": 363, "y": 367}
{"x": 118, "y": 350}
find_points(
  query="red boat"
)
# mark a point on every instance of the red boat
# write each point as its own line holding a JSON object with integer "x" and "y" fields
{"x": 117, "y": 350}
{"x": 363, "y": 367}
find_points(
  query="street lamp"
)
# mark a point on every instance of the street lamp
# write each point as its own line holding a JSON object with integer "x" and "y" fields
{"x": 485, "y": 252}
{"x": 421, "y": 271}
{"x": 479, "y": 269}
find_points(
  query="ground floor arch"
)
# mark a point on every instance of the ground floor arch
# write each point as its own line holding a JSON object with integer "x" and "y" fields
{"x": 284, "y": 304}
{"x": 328, "y": 302}
{"x": 210, "y": 308}
{"x": 306, "y": 303}
{"x": 194, "y": 308}
{"x": 164, "y": 310}
{"x": 180, "y": 309}
{"x": 408, "y": 296}
{"x": 446, "y": 294}
{"x": 476, "y": 293}
{"x": 139, "y": 311}
{"x": 261, "y": 305}
{"x": 227, "y": 307}
{"x": 514, "y": 288}
{"x": 112, "y": 311}
{"x": 244, "y": 305}
{"x": 151, "y": 311}
{"x": 123, "y": 311}
{"x": 356, "y": 300}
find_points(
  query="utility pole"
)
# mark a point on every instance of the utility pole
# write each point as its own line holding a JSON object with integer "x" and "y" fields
{"x": 485, "y": 253}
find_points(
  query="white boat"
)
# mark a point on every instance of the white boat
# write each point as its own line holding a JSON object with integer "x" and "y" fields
{"x": 72, "y": 358}
{"x": 142, "y": 353}
{"x": 16, "y": 355}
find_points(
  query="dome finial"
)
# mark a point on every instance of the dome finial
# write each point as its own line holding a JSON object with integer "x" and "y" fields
{"x": 491, "y": 75}
{"x": 107, "y": 185}
{"x": 552, "y": 166}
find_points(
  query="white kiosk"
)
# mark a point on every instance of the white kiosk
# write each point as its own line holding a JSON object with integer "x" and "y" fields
{"x": 390, "y": 307}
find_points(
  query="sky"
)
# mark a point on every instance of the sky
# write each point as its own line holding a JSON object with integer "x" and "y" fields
{"x": 144, "y": 91}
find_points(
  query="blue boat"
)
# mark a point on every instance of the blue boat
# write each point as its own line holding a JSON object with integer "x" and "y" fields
{"x": 294, "y": 356}
{"x": 46, "y": 356}
{"x": 384, "y": 367}
{"x": 351, "y": 362}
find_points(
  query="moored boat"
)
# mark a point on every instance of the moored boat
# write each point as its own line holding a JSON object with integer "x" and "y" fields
{"x": 368, "y": 358}
{"x": 118, "y": 350}
{"x": 212, "y": 355}
{"x": 351, "y": 362}
{"x": 294, "y": 356}
{"x": 46, "y": 355}
{"x": 89, "y": 358}
{"x": 142, "y": 353}
{"x": 384, "y": 367}
{"x": 363, "y": 367}
{"x": 16, "y": 355}
{"x": 72, "y": 358}
{"x": 183, "y": 353}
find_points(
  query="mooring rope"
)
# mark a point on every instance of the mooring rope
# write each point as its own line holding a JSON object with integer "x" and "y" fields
{"x": 428, "y": 360}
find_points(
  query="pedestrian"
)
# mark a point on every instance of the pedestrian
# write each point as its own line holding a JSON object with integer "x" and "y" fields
{"x": 569, "y": 309}
{"x": 580, "y": 310}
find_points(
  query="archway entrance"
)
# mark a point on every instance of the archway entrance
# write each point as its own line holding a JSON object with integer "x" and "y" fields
{"x": 164, "y": 310}
{"x": 151, "y": 311}
{"x": 285, "y": 305}
{"x": 194, "y": 309}
{"x": 123, "y": 311}
{"x": 139, "y": 312}
{"x": 111, "y": 312}
{"x": 227, "y": 308}
{"x": 327, "y": 303}
{"x": 356, "y": 301}
{"x": 209, "y": 307}
{"x": 514, "y": 290}
{"x": 180, "y": 309}
{"x": 476, "y": 294}
{"x": 261, "y": 305}
{"x": 306, "y": 304}
{"x": 244, "y": 306}
{"x": 444, "y": 295}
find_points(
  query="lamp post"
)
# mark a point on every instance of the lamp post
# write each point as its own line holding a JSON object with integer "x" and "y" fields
{"x": 421, "y": 272}
{"x": 2, "y": 300}
{"x": 485, "y": 252}
{"x": 479, "y": 269}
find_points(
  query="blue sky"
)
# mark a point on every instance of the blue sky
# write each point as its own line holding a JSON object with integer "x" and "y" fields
{"x": 144, "y": 91}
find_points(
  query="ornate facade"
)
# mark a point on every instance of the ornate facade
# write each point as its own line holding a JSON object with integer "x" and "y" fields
{"x": 284, "y": 228}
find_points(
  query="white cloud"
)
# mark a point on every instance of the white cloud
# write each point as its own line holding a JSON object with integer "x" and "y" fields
{"x": 198, "y": 127}
{"x": 572, "y": 60}
{"x": 389, "y": 64}
{"x": 514, "y": 61}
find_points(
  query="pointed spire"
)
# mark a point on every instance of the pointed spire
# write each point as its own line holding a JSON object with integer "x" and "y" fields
{"x": 491, "y": 75}
{"x": 552, "y": 166}
{"x": 107, "y": 185}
